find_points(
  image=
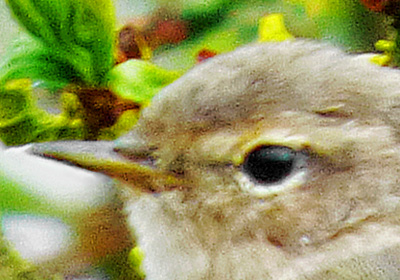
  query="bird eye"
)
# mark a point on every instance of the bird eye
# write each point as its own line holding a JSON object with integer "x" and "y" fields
{"x": 271, "y": 168}
{"x": 269, "y": 164}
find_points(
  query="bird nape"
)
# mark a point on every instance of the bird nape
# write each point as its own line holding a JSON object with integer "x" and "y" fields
{"x": 274, "y": 161}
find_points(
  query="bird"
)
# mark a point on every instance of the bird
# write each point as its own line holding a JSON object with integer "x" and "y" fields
{"x": 278, "y": 160}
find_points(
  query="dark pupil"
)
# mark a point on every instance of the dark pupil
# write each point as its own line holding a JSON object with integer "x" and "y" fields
{"x": 269, "y": 164}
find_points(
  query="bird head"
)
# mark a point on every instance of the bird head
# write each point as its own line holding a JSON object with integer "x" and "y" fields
{"x": 274, "y": 161}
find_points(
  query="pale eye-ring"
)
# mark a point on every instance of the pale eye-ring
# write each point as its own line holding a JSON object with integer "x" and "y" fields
{"x": 269, "y": 169}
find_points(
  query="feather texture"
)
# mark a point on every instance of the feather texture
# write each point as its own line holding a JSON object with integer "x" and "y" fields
{"x": 338, "y": 220}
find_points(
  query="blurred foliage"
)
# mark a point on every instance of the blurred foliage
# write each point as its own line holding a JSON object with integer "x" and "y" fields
{"x": 21, "y": 121}
{"x": 74, "y": 42}
{"x": 386, "y": 57}
{"x": 136, "y": 257}
{"x": 13, "y": 267}
{"x": 272, "y": 28}
{"x": 124, "y": 265}
{"x": 346, "y": 23}
{"x": 15, "y": 199}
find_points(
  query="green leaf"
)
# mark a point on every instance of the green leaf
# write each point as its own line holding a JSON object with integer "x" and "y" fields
{"x": 203, "y": 15}
{"x": 139, "y": 80}
{"x": 78, "y": 35}
{"x": 29, "y": 58}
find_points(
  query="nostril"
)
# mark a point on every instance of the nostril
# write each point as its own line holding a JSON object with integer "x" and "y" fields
{"x": 149, "y": 161}
{"x": 142, "y": 159}
{"x": 134, "y": 148}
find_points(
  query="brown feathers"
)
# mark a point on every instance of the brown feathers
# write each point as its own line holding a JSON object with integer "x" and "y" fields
{"x": 332, "y": 222}
{"x": 326, "y": 126}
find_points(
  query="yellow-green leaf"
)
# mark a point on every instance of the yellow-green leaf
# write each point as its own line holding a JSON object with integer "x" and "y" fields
{"x": 140, "y": 80}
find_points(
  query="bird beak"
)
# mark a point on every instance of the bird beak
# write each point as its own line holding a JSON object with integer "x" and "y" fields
{"x": 100, "y": 156}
